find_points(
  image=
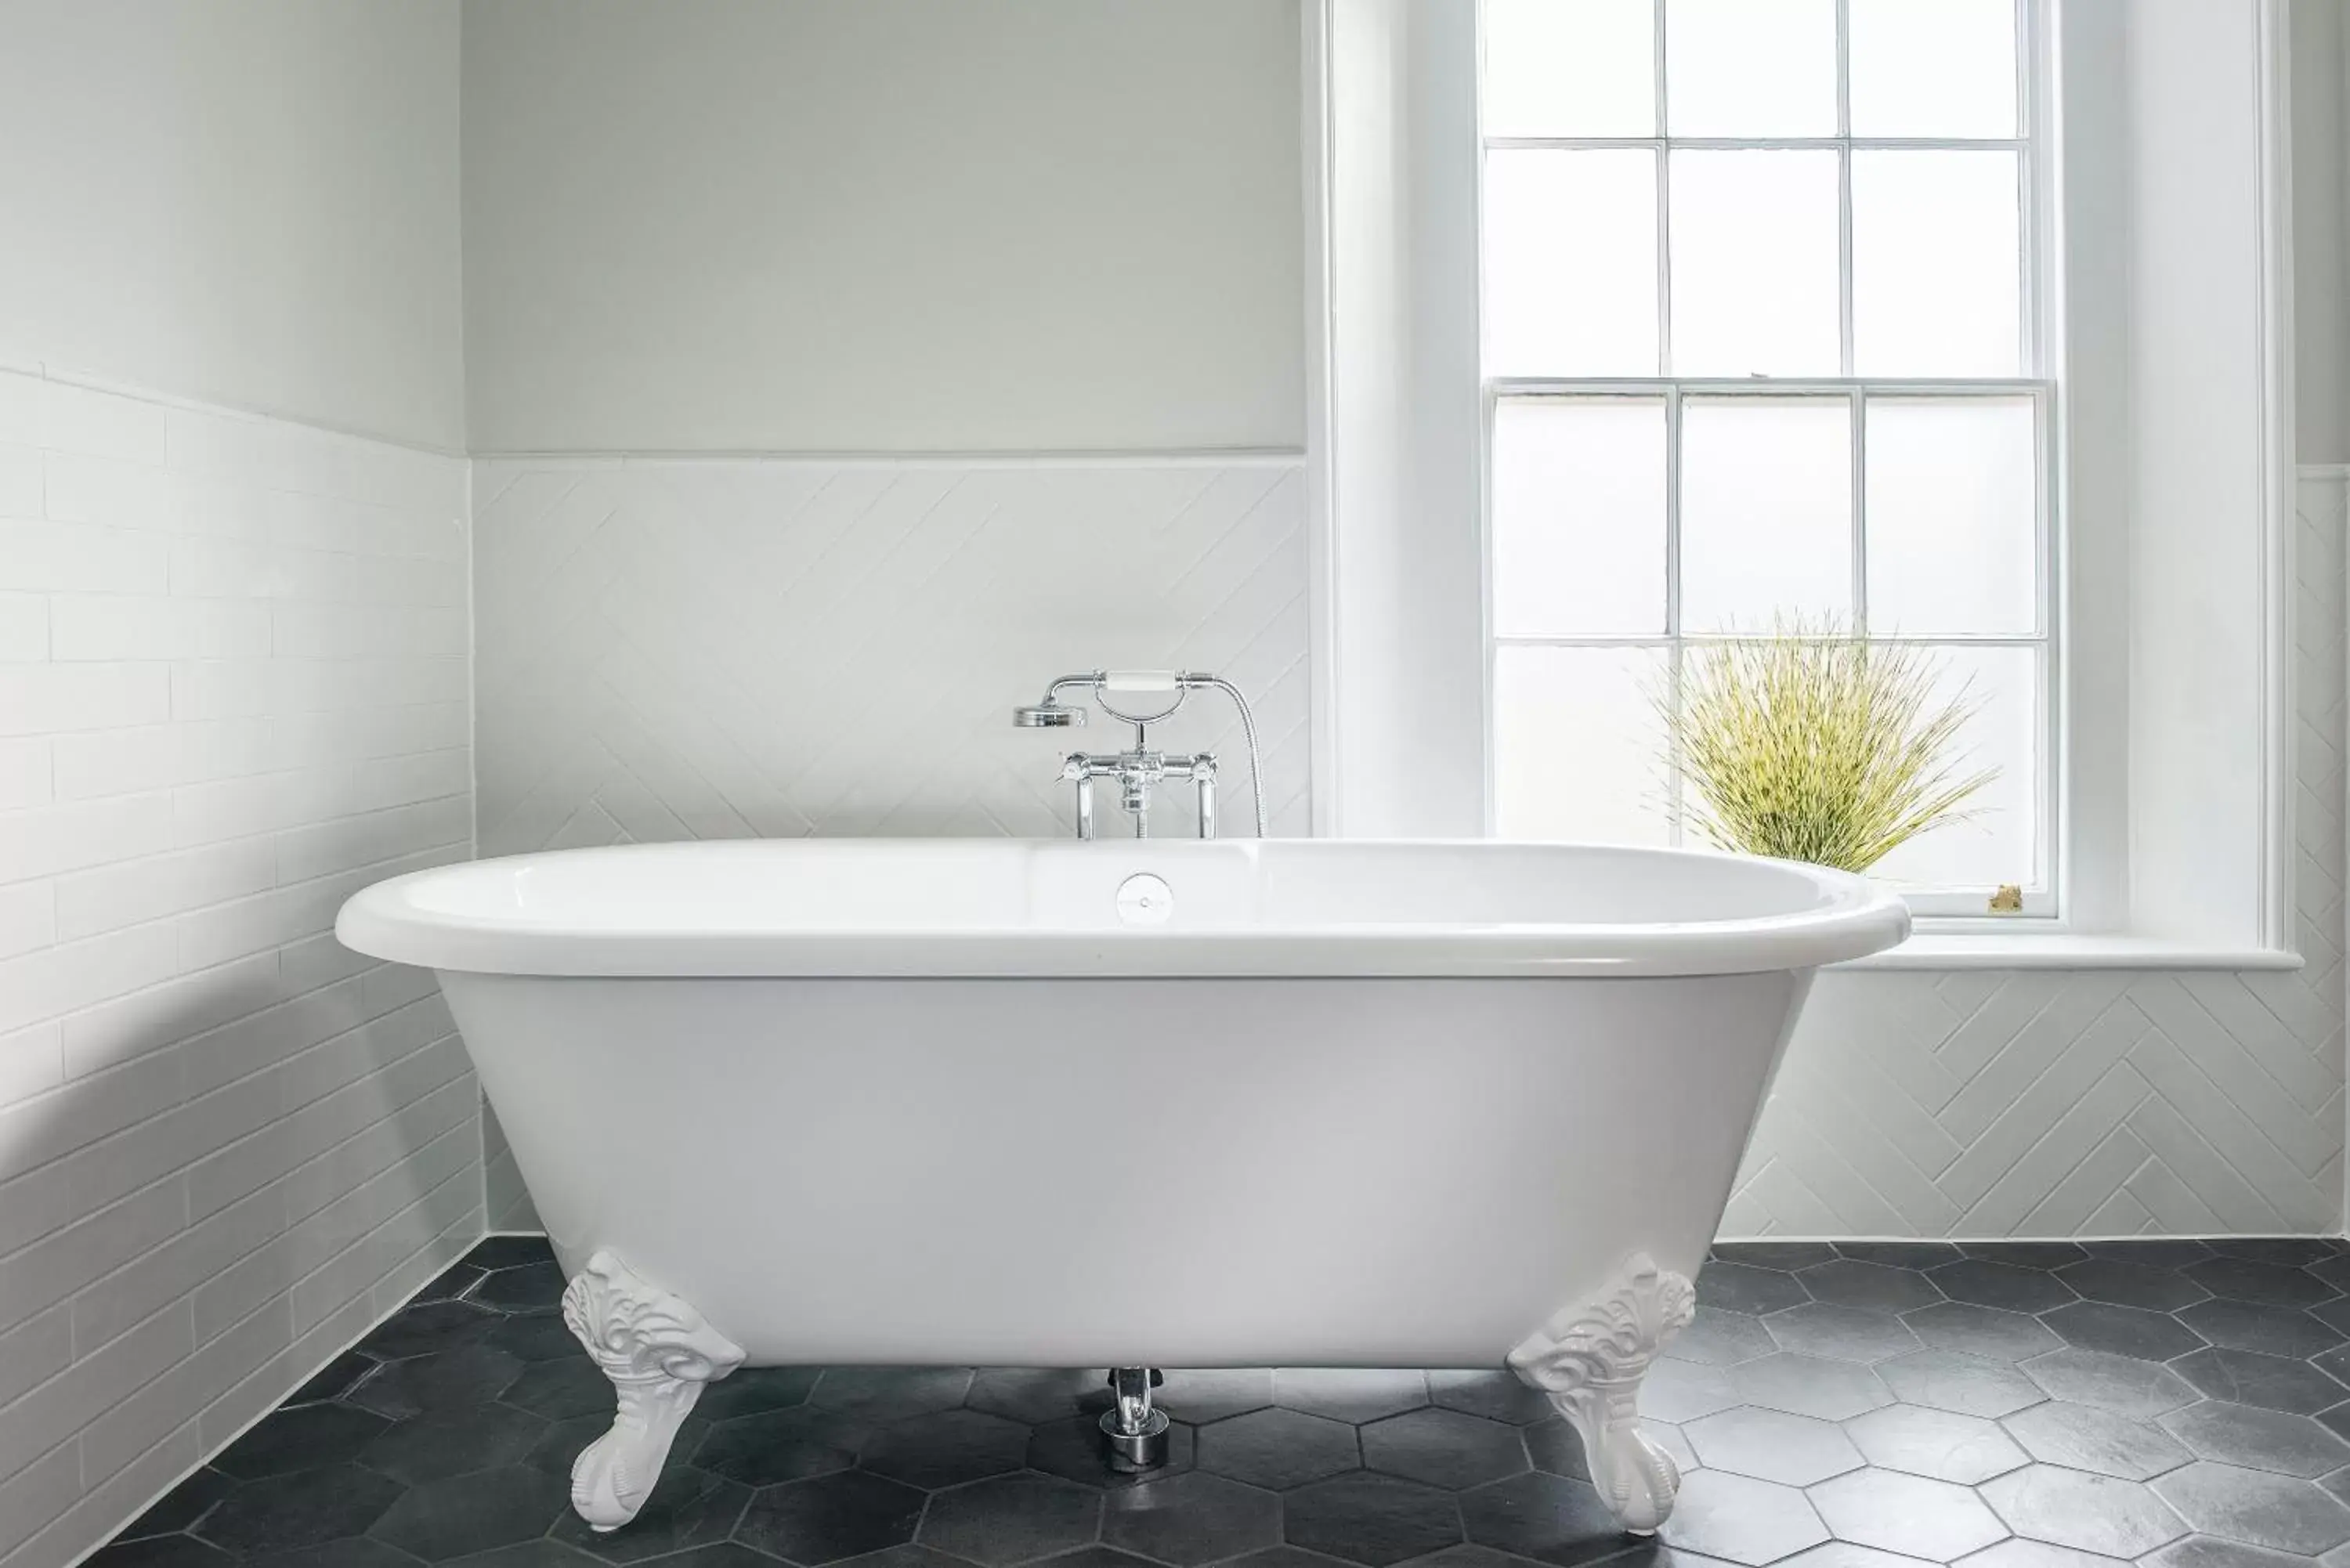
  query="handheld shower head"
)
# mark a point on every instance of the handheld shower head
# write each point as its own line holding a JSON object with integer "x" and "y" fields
{"x": 1048, "y": 715}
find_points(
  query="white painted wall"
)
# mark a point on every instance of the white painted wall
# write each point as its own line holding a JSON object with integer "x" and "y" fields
{"x": 233, "y": 689}
{"x": 895, "y": 225}
{"x": 2320, "y": 167}
{"x": 248, "y": 201}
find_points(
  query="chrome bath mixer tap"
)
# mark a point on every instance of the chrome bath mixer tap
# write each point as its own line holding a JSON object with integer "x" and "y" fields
{"x": 1140, "y": 771}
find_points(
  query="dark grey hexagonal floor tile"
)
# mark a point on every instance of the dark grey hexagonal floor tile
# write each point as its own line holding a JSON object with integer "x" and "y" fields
{"x": 1737, "y": 1287}
{"x": 1950, "y": 1380}
{"x": 1497, "y": 1395}
{"x": 560, "y": 1390}
{"x": 1974, "y": 1330}
{"x": 453, "y": 1441}
{"x": 299, "y": 1509}
{"x": 1278, "y": 1449}
{"x": 1191, "y": 1520}
{"x": 2049, "y": 1255}
{"x": 2248, "y": 1378}
{"x": 470, "y": 1514}
{"x": 1200, "y": 1395}
{"x": 1073, "y": 1450}
{"x": 2279, "y": 1512}
{"x": 468, "y": 1375}
{"x": 530, "y": 1287}
{"x": 1550, "y": 1518}
{"x": 2021, "y": 1551}
{"x": 1845, "y": 1554}
{"x": 1940, "y": 1445}
{"x": 1850, "y": 1283}
{"x": 1841, "y": 1333}
{"x": 1784, "y": 1256}
{"x": 2211, "y": 1552}
{"x": 2122, "y": 1330}
{"x": 1008, "y": 1520}
{"x": 1468, "y": 1554}
{"x": 779, "y": 1445}
{"x": 2334, "y": 1362}
{"x": 911, "y": 1555}
{"x": 1684, "y": 1390}
{"x": 181, "y": 1506}
{"x": 2258, "y": 1438}
{"x": 2088, "y": 1512}
{"x": 334, "y": 1380}
{"x": 301, "y": 1439}
{"x": 1447, "y": 1449}
{"x": 2243, "y": 1279}
{"x": 2155, "y": 1252}
{"x": 1741, "y": 1519}
{"x": 2285, "y": 1251}
{"x": 2268, "y": 1329}
{"x": 755, "y": 1390}
{"x": 2085, "y": 1438}
{"x": 1374, "y": 1519}
{"x": 1913, "y": 1255}
{"x": 687, "y": 1508}
{"x": 2001, "y": 1286}
{"x": 2120, "y": 1283}
{"x": 423, "y": 1329}
{"x": 2139, "y": 1389}
{"x": 1288, "y": 1557}
{"x": 1039, "y": 1393}
{"x": 362, "y": 1553}
{"x": 1908, "y": 1515}
{"x": 880, "y": 1394}
{"x": 1718, "y": 1338}
{"x": 1802, "y": 1386}
{"x": 162, "y": 1552}
{"x": 1350, "y": 1393}
{"x": 508, "y": 1252}
{"x": 947, "y": 1448}
{"x": 847, "y": 1514}
{"x": 1773, "y": 1445}
{"x": 535, "y": 1337}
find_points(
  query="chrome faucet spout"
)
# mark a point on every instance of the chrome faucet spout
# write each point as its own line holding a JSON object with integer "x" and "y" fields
{"x": 1139, "y": 772}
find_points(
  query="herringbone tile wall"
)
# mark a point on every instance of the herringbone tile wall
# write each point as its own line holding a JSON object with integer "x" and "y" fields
{"x": 1980, "y": 1103}
{"x": 716, "y": 649}
{"x": 675, "y": 650}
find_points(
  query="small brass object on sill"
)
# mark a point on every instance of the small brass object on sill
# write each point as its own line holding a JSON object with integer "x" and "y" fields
{"x": 2008, "y": 900}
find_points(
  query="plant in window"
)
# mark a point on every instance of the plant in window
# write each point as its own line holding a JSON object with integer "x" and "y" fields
{"x": 1812, "y": 744}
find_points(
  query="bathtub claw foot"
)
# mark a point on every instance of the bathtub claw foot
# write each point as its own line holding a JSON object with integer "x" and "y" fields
{"x": 658, "y": 1352}
{"x": 1589, "y": 1359}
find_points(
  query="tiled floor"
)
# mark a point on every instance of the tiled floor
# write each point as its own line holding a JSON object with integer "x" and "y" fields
{"x": 2021, "y": 1406}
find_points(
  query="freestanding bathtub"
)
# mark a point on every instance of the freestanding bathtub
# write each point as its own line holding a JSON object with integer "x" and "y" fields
{"x": 1126, "y": 1104}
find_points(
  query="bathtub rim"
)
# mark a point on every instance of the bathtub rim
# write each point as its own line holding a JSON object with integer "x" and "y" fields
{"x": 1856, "y": 919}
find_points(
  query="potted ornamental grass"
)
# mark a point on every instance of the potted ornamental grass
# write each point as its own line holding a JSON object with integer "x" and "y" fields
{"x": 1811, "y": 743}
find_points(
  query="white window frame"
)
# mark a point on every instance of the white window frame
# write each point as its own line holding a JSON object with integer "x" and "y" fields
{"x": 2172, "y": 463}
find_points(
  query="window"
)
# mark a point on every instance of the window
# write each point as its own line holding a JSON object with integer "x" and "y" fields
{"x": 1763, "y": 338}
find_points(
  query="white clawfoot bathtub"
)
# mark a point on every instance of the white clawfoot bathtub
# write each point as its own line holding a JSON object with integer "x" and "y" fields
{"x": 1157, "y": 1103}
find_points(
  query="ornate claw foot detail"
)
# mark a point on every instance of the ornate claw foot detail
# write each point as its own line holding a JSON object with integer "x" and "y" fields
{"x": 657, "y": 1352}
{"x": 1590, "y": 1360}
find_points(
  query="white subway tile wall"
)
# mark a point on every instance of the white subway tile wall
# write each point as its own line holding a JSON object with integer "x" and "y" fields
{"x": 233, "y": 689}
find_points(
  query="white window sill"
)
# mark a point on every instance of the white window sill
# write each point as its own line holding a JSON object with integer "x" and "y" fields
{"x": 1933, "y": 949}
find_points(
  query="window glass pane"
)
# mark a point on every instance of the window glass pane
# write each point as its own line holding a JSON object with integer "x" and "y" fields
{"x": 1570, "y": 68}
{"x": 1766, "y": 512}
{"x": 1935, "y": 262}
{"x": 1570, "y": 262}
{"x": 1578, "y": 508}
{"x": 1749, "y": 67}
{"x": 2000, "y": 845}
{"x": 1933, "y": 67}
{"x": 1577, "y": 750}
{"x": 1953, "y": 515}
{"x": 1754, "y": 264}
